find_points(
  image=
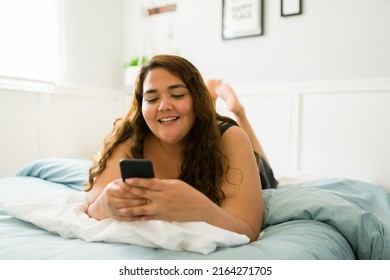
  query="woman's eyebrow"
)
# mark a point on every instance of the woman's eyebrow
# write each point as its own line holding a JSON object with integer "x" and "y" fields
{"x": 150, "y": 91}
{"x": 171, "y": 87}
{"x": 177, "y": 86}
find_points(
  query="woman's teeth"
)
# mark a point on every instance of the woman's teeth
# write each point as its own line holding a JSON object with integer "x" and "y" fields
{"x": 168, "y": 119}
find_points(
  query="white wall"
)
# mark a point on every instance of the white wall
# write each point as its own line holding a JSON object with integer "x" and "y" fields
{"x": 71, "y": 116}
{"x": 38, "y": 120}
{"x": 331, "y": 40}
{"x": 92, "y": 43}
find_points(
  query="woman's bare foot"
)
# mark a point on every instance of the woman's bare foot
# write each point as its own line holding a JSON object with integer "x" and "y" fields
{"x": 212, "y": 85}
{"x": 227, "y": 94}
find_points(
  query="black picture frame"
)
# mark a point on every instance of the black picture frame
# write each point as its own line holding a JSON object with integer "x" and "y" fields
{"x": 290, "y": 8}
{"x": 242, "y": 18}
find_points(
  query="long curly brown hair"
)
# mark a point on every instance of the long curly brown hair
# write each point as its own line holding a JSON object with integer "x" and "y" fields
{"x": 203, "y": 163}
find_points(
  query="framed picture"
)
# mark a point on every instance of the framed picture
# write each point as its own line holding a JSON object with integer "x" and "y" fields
{"x": 290, "y": 7}
{"x": 242, "y": 18}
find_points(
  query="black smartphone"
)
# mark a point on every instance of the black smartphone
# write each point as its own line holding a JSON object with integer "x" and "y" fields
{"x": 141, "y": 168}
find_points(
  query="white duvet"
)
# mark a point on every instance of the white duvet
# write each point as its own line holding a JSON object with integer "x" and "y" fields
{"x": 63, "y": 212}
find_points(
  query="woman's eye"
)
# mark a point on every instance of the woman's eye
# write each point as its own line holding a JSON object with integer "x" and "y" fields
{"x": 178, "y": 95}
{"x": 151, "y": 100}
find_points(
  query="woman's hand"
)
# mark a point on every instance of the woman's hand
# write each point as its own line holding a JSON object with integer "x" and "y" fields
{"x": 169, "y": 200}
{"x": 115, "y": 196}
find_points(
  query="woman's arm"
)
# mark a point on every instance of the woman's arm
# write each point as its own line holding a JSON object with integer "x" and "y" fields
{"x": 244, "y": 202}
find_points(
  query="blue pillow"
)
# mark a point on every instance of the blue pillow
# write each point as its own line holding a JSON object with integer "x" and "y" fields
{"x": 72, "y": 172}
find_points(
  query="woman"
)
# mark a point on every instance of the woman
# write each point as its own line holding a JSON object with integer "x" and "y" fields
{"x": 200, "y": 174}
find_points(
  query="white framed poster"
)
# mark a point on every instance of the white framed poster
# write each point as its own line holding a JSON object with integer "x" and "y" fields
{"x": 242, "y": 18}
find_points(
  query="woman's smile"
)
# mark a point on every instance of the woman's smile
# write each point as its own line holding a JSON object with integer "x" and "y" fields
{"x": 168, "y": 120}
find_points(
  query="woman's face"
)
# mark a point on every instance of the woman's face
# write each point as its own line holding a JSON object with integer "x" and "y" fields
{"x": 167, "y": 106}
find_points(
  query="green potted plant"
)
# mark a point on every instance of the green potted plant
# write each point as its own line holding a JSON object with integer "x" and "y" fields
{"x": 132, "y": 68}
{"x": 136, "y": 61}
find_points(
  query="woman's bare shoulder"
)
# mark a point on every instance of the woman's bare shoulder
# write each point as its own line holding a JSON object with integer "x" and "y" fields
{"x": 234, "y": 134}
{"x": 123, "y": 150}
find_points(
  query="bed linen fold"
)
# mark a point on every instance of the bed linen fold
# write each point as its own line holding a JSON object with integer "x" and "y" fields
{"x": 360, "y": 211}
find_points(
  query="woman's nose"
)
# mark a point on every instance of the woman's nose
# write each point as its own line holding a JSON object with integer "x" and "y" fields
{"x": 165, "y": 104}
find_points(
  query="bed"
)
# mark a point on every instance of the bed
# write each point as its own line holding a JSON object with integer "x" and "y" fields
{"x": 327, "y": 218}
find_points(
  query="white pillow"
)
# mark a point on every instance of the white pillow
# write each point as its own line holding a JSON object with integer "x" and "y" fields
{"x": 64, "y": 213}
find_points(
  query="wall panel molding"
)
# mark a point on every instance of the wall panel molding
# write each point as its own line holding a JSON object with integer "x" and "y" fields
{"x": 347, "y": 111}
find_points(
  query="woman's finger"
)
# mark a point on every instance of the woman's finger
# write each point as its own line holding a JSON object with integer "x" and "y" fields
{"x": 143, "y": 211}
{"x": 143, "y": 188}
{"x": 150, "y": 184}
